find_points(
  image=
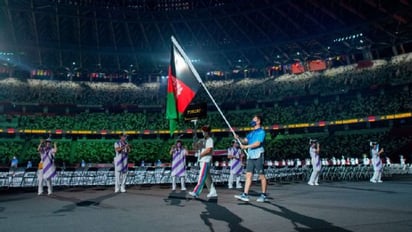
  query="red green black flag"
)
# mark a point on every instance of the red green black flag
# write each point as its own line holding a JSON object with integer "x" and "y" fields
{"x": 182, "y": 86}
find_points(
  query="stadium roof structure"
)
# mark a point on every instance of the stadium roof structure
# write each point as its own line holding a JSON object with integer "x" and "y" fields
{"x": 217, "y": 34}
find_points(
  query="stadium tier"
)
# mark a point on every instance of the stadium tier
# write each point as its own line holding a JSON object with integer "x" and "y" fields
{"x": 90, "y": 115}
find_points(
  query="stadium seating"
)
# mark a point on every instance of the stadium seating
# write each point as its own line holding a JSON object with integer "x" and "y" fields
{"x": 335, "y": 94}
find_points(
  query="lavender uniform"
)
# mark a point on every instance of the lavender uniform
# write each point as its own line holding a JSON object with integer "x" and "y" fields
{"x": 47, "y": 169}
{"x": 235, "y": 167}
{"x": 377, "y": 165}
{"x": 120, "y": 166}
{"x": 316, "y": 166}
{"x": 179, "y": 167}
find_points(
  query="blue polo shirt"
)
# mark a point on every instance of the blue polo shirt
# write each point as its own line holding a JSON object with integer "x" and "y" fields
{"x": 252, "y": 137}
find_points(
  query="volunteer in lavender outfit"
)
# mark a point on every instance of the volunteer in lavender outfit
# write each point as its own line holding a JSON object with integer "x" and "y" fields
{"x": 314, "y": 150}
{"x": 46, "y": 169}
{"x": 234, "y": 154}
{"x": 376, "y": 162}
{"x": 122, "y": 150}
{"x": 178, "y": 153}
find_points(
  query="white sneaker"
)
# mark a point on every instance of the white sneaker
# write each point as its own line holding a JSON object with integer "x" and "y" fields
{"x": 310, "y": 183}
{"x": 116, "y": 190}
{"x": 230, "y": 187}
{"x": 123, "y": 190}
{"x": 193, "y": 194}
{"x": 212, "y": 194}
{"x": 380, "y": 181}
{"x": 239, "y": 187}
{"x": 183, "y": 189}
{"x": 373, "y": 181}
{"x": 316, "y": 184}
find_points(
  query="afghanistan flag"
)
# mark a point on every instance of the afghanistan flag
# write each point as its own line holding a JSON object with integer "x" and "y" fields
{"x": 182, "y": 86}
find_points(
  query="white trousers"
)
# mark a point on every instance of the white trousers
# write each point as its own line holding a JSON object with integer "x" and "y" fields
{"x": 182, "y": 183}
{"x": 314, "y": 177}
{"x": 41, "y": 182}
{"x": 119, "y": 181}
{"x": 377, "y": 174}
{"x": 231, "y": 179}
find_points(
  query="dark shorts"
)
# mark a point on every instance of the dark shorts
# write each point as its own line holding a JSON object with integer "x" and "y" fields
{"x": 255, "y": 165}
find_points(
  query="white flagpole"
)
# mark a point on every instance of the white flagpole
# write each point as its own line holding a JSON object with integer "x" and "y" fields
{"x": 192, "y": 68}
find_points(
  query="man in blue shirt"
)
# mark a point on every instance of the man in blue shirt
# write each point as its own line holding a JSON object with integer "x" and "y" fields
{"x": 14, "y": 163}
{"x": 255, "y": 158}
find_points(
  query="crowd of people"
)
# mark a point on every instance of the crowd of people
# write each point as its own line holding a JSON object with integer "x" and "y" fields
{"x": 339, "y": 93}
{"x": 312, "y": 109}
{"x": 333, "y": 81}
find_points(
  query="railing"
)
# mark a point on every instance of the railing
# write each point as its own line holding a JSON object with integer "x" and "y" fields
{"x": 104, "y": 176}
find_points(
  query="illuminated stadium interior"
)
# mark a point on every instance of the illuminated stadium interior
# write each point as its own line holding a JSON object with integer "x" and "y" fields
{"x": 84, "y": 71}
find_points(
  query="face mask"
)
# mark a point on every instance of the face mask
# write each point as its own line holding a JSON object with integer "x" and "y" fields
{"x": 252, "y": 123}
